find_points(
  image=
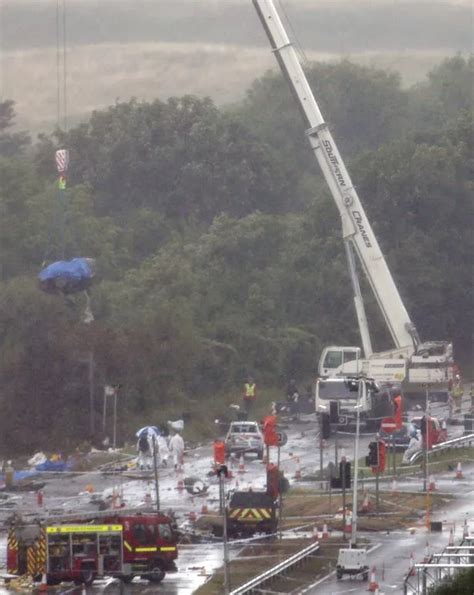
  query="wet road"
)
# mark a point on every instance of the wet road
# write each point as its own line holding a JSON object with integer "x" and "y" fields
{"x": 67, "y": 495}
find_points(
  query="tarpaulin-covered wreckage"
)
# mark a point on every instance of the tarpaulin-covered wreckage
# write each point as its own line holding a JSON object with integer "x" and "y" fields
{"x": 67, "y": 276}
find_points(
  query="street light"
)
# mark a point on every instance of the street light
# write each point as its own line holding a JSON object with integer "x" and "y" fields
{"x": 356, "y": 469}
{"x": 222, "y": 473}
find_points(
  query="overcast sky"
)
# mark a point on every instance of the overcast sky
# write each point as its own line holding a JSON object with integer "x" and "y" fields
{"x": 150, "y": 48}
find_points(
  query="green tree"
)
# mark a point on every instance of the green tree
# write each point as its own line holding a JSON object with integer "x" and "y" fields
{"x": 12, "y": 144}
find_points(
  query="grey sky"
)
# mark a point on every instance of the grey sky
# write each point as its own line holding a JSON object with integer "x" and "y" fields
{"x": 158, "y": 48}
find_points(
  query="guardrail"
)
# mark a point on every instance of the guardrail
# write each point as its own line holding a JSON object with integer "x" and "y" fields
{"x": 442, "y": 446}
{"x": 293, "y": 560}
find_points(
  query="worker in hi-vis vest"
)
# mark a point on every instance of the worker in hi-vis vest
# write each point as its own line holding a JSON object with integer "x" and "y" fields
{"x": 250, "y": 392}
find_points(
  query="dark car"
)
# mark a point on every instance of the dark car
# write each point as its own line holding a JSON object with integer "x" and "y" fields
{"x": 402, "y": 436}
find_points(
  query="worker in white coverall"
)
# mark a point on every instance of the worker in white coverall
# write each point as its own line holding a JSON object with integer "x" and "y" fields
{"x": 176, "y": 446}
{"x": 414, "y": 445}
{"x": 145, "y": 451}
{"x": 163, "y": 450}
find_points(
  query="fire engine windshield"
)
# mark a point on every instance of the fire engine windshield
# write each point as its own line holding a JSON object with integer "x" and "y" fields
{"x": 332, "y": 391}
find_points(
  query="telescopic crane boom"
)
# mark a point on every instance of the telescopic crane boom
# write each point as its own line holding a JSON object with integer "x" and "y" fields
{"x": 357, "y": 232}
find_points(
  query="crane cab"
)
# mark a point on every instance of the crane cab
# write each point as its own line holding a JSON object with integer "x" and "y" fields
{"x": 340, "y": 361}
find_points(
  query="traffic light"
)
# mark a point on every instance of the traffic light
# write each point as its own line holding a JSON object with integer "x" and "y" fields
{"x": 325, "y": 426}
{"x": 333, "y": 412}
{"x": 372, "y": 460}
{"x": 222, "y": 471}
{"x": 376, "y": 456}
{"x": 381, "y": 450}
{"x": 345, "y": 474}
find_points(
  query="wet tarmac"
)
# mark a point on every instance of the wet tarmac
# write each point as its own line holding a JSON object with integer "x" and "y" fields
{"x": 66, "y": 494}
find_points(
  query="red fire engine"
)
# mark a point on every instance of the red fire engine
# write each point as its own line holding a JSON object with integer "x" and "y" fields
{"x": 122, "y": 546}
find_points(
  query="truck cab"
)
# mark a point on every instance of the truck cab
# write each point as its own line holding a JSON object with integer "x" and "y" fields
{"x": 340, "y": 361}
{"x": 338, "y": 398}
{"x": 149, "y": 547}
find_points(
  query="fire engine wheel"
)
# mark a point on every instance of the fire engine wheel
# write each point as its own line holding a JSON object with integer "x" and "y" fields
{"x": 157, "y": 572}
{"x": 52, "y": 581}
{"x": 87, "y": 577}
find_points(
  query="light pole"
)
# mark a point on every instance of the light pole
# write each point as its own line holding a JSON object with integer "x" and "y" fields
{"x": 356, "y": 469}
{"x": 222, "y": 473}
{"x": 155, "y": 469}
{"x": 114, "y": 439}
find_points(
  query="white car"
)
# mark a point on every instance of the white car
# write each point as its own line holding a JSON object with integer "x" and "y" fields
{"x": 244, "y": 437}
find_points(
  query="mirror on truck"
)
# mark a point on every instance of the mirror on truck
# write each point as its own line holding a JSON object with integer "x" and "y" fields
{"x": 352, "y": 385}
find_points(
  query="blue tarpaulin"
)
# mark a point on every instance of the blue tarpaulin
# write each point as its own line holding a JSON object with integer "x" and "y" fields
{"x": 52, "y": 466}
{"x": 67, "y": 276}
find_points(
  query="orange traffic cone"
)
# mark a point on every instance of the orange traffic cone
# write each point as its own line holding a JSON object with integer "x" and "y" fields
{"x": 116, "y": 502}
{"x": 432, "y": 484}
{"x": 373, "y": 585}
{"x": 43, "y": 588}
{"x": 241, "y": 464}
{"x": 39, "y": 498}
{"x": 394, "y": 487}
{"x": 204, "y": 509}
{"x": 315, "y": 533}
{"x": 325, "y": 531}
{"x": 366, "y": 502}
{"x": 147, "y": 499}
{"x": 180, "y": 487}
{"x": 459, "y": 474}
{"x": 451, "y": 538}
{"x": 348, "y": 525}
{"x": 298, "y": 469}
{"x": 192, "y": 516}
{"x": 411, "y": 571}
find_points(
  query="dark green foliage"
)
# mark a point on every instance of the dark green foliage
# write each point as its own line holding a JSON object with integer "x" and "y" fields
{"x": 461, "y": 584}
{"x": 219, "y": 247}
{"x": 11, "y": 143}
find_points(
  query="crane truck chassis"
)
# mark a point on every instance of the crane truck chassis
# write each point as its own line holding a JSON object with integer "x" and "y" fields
{"x": 121, "y": 546}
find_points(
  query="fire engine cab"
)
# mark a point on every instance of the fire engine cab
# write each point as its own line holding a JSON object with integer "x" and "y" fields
{"x": 122, "y": 546}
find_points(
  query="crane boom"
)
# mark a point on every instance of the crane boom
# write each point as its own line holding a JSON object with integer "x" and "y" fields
{"x": 355, "y": 225}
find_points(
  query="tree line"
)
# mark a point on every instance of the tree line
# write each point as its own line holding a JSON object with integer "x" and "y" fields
{"x": 218, "y": 245}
